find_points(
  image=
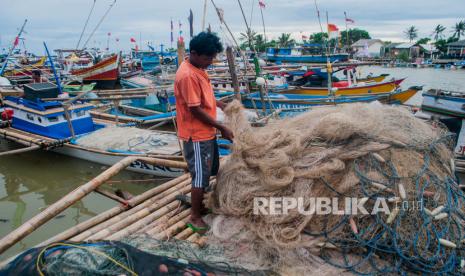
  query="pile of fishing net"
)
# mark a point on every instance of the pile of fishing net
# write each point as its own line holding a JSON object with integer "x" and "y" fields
{"x": 371, "y": 152}
{"x": 131, "y": 139}
{"x": 135, "y": 256}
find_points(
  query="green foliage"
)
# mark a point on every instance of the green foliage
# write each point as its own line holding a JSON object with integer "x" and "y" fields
{"x": 411, "y": 33}
{"x": 285, "y": 40}
{"x": 318, "y": 38}
{"x": 459, "y": 29}
{"x": 438, "y": 32}
{"x": 354, "y": 36}
{"x": 403, "y": 56}
{"x": 424, "y": 40}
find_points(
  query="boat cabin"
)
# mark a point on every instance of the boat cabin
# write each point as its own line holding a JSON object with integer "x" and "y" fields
{"x": 48, "y": 118}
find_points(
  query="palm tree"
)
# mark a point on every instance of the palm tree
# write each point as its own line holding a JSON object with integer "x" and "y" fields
{"x": 438, "y": 32}
{"x": 411, "y": 33}
{"x": 285, "y": 40}
{"x": 459, "y": 29}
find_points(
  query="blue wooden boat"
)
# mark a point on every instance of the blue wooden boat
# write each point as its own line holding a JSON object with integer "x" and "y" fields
{"x": 304, "y": 102}
{"x": 444, "y": 102}
{"x": 45, "y": 124}
{"x": 147, "y": 60}
{"x": 302, "y": 55}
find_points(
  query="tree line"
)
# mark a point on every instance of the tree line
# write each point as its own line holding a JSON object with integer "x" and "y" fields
{"x": 351, "y": 36}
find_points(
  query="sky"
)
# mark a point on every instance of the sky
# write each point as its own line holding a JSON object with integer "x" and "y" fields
{"x": 60, "y": 22}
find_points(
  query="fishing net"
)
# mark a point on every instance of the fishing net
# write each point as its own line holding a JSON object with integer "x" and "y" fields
{"x": 363, "y": 151}
{"x": 139, "y": 255}
{"x": 128, "y": 139}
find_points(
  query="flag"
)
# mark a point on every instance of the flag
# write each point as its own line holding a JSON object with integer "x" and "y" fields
{"x": 16, "y": 41}
{"x": 333, "y": 31}
{"x": 261, "y": 3}
{"x": 109, "y": 34}
{"x": 117, "y": 39}
{"x": 351, "y": 21}
{"x": 191, "y": 23}
{"x": 133, "y": 40}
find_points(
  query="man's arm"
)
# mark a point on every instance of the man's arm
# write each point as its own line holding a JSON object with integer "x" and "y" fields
{"x": 220, "y": 104}
{"x": 201, "y": 115}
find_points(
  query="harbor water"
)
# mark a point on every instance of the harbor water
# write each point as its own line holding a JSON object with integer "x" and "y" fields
{"x": 32, "y": 181}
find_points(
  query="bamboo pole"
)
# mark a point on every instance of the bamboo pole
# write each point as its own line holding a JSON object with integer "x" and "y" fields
{"x": 161, "y": 217}
{"x": 73, "y": 231}
{"x": 140, "y": 223}
{"x": 111, "y": 196}
{"x": 107, "y": 223}
{"x": 11, "y": 152}
{"x": 71, "y": 198}
{"x": 161, "y": 206}
{"x": 232, "y": 71}
{"x": 184, "y": 234}
{"x": 172, "y": 230}
{"x": 159, "y": 221}
{"x": 171, "y": 221}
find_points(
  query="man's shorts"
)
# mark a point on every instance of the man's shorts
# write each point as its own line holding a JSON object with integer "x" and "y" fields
{"x": 202, "y": 160}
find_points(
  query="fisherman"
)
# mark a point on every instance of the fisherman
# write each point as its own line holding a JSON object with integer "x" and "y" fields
{"x": 196, "y": 119}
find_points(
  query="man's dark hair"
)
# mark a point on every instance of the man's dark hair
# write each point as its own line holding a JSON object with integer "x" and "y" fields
{"x": 206, "y": 43}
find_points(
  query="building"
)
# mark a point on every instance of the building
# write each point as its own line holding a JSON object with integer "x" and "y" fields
{"x": 456, "y": 49}
{"x": 401, "y": 50}
{"x": 367, "y": 48}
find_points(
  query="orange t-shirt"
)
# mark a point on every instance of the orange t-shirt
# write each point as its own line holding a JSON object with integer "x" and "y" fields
{"x": 192, "y": 87}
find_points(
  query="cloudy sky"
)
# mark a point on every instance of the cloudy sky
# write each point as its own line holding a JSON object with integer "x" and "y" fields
{"x": 60, "y": 22}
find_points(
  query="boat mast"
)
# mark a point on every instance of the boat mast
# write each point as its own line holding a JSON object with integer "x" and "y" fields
{"x": 328, "y": 63}
{"x": 85, "y": 25}
{"x": 347, "y": 33}
{"x": 12, "y": 48}
{"x": 204, "y": 14}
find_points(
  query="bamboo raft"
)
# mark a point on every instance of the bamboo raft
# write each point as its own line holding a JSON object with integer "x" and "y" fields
{"x": 155, "y": 212}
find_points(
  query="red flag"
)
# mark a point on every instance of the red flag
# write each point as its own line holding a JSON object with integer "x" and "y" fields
{"x": 133, "y": 40}
{"x": 261, "y": 3}
{"x": 109, "y": 34}
{"x": 16, "y": 41}
{"x": 348, "y": 20}
{"x": 332, "y": 28}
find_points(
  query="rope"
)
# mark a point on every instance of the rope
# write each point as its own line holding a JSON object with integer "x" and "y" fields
{"x": 98, "y": 24}
{"x": 85, "y": 25}
{"x": 40, "y": 263}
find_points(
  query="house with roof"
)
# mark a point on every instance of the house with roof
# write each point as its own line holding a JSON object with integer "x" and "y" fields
{"x": 397, "y": 50}
{"x": 367, "y": 48}
{"x": 456, "y": 49}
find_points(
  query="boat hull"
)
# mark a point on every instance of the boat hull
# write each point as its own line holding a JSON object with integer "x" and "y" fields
{"x": 446, "y": 105}
{"x": 107, "y": 159}
{"x": 295, "y": 102}
{"x": 104, "y": 73}
{"x": 307, "y": 59}
{"x": 346, "y": 91}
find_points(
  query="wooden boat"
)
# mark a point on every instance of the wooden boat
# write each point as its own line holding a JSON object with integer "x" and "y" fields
{"x": 78, "y": 88}
{"x": 26, "y": 70}
{"x": 366, "y": 88}
{"x": 44, "y": 125}
{"x": 104, "y": 73}
{"x": 302, "y": 55}
{"x": 296, "y": 102}
{"x": 444, "y": 102}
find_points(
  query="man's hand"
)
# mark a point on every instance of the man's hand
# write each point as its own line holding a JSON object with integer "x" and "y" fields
{"x": 220, "y": 104}
{"x": 226, "y": 133}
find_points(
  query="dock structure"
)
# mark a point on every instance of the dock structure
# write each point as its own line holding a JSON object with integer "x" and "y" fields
{"x": 155, "y": 212}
